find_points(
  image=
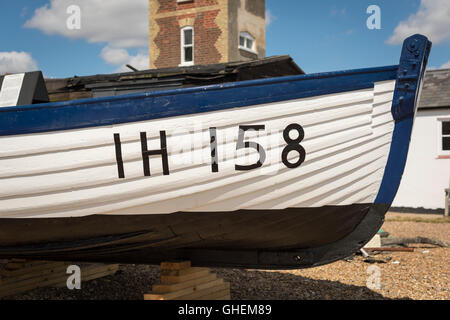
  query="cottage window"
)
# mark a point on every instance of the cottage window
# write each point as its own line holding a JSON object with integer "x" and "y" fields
{"x": 445, "y": 130}
{"x": 187, "y": 46}
{"x": 247, "y": 42}
{"x": 443, "y": 138}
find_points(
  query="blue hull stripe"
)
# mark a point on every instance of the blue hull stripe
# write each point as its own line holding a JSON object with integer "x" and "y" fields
{"x": 164, "y": 104}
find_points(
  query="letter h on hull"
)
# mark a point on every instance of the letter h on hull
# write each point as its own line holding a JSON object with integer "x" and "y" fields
{"x": 147, "y": 153}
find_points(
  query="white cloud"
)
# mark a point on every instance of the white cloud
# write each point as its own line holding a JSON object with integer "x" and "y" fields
{"x": 445, "y": 65}
{"x": 16, "y": 62}
{"x": 269, "y": 18}
{"x": 115, "y": 56}
{"x": 140, "y": 62}
{"x": 431, "y": 20}
{"x": 117, "y": 22}
{"x": 120, "y": 24}
{"x": 120, "y": 57}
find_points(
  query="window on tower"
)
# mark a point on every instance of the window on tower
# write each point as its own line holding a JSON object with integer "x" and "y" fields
{"x": 247, "y": 42}
{"x": 187, "y": 46}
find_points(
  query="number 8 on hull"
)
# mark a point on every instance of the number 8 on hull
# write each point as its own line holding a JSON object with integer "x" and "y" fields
{"x": 287, "y": 172}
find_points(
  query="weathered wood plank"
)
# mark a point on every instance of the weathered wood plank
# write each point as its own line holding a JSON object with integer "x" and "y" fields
{"x": 34, "y": 276}
{"x": 178, "y": 279}
{"x": 178, "y": 265}
{"x": 34, "y": 267}
{"x": 48, "y": 274}
{"x": 186, "y": 291}
{"x": 184, "y": 272}
{"x": 165, "y": 288}
{"x": 205, "y": 293}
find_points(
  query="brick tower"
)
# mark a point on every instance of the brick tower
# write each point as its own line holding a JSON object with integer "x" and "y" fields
{"x": 198, "y": 32}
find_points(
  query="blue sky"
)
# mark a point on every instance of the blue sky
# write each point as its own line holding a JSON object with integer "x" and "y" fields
{"x": 320, "y": 35}
{"x": 328, "y": 35}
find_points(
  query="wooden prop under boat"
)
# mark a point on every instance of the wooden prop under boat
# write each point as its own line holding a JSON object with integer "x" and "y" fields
{"x": 288, "y": 172}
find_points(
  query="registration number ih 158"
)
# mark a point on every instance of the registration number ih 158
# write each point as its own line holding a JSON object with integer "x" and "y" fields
{"x": 293, "y": 145}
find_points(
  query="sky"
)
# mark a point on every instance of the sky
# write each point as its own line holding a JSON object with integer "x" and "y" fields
{"x": 320, "y": 36}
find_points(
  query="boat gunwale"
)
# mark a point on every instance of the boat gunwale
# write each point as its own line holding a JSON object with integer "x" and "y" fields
{"x": 214, "y": 87}
{"x": 117, "y": 110}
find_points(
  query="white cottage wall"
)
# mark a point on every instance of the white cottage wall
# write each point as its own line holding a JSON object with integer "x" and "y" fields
{"x": 426, "y": 174}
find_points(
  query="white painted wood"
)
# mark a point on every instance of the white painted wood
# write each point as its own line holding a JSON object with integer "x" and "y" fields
{"x": 98, "y": 136}
{"x": 427, "y": 171}
{"x": 375, "y": 242}
{"x": 10, "y": 89}
{"x": 74, "y": 173}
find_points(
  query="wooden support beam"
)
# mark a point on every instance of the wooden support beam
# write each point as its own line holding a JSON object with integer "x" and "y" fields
{"x": 165, "y": 279}
{"x": 180, "y": 265}
{"x": 180, "y": 281}
{"x": 19, "y": 276}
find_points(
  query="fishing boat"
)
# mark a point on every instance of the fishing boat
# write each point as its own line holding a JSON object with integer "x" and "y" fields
{"x": 284, "y": 172}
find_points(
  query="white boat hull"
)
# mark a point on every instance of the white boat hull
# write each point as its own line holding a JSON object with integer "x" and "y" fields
{"x": 276, "y": 173}
{"x": 75, "y": 173}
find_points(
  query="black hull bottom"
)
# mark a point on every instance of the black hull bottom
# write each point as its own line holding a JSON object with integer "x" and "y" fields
{"x": 271, "y": 239}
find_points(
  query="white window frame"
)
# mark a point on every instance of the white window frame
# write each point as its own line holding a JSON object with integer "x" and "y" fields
{"x": 181, "y": 1}
{"x": 247, "y": 36}
{"x": 185, "y": 63}
{"x": 441, "y": 153}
